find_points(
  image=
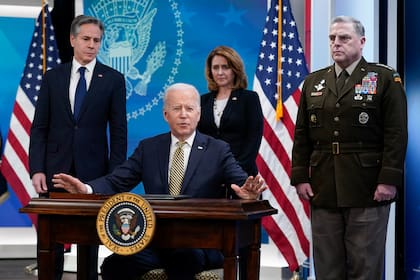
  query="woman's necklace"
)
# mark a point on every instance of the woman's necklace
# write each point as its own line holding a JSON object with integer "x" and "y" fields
{"x": 219, "y": 105}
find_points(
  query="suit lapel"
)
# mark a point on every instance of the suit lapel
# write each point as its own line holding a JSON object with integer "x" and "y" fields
{"x": 208, "y": 110}
{"x": 163, "y": 150}
{"x": 356, "y": 76}
{"x": 230, "y": 105}
{"x": 66, "y": 73}
{"x": 330, "y": 80}
{"x": 94, "y": 87}
{"x": 97, "y": 76}
{"x": 196, "y": 155}
{"x": 347, "y": 86}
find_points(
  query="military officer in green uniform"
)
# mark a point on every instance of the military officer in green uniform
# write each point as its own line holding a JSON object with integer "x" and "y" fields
{"x": 348, "y": 155}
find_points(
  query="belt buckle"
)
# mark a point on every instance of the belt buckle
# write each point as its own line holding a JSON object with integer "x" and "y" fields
{"x": 335, "y": 148}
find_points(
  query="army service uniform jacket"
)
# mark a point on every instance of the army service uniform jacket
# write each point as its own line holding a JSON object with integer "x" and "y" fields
{"x": 346, "y": 144}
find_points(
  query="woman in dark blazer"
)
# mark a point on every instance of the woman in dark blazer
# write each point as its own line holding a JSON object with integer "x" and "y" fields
{"x": 232, "y": 113}
{"x": 229, "y": 111}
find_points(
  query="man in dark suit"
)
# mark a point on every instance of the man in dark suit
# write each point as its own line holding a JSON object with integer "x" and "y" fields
{"x": 81, "y": 145}
{"x": 348, "y": 155}
{"x": 211, "y": 169}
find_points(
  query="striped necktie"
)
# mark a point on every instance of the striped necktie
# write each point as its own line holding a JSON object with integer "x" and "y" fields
{"x": 176, "y": 175}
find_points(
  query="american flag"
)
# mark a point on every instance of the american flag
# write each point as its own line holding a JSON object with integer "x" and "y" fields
{"x": 278, "y": 78}
{"x": 42, "y": 55}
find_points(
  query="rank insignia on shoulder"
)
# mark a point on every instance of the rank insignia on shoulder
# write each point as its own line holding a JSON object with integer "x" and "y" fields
{"x": 385, "y": 66}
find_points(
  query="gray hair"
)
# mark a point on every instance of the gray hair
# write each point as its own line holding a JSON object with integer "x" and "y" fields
{"x": 82, "y": 19}
{"x": 181, "y": 86}
{"x": 357, "y": 25}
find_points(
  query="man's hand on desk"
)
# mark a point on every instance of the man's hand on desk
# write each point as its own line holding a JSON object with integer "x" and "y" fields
{"x": 69, "y": 183}
{"x": 252, "y": 188}
{"x": 39, "y": 182}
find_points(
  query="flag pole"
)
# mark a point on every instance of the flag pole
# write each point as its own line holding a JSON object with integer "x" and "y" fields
{"x": 290, "y": 229}
{"x": 279, "y": 107}
{"x": 44, "y": 51}
{"x": 33, "y": 267}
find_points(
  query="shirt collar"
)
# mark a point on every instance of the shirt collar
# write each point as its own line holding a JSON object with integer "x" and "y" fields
{"x": 76, "y": 65}
{"x": 349, "y": 69}
{"x": 189, "y": 140}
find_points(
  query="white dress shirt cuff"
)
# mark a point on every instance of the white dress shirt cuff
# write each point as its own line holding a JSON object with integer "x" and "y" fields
{"x": 89, "y": 189}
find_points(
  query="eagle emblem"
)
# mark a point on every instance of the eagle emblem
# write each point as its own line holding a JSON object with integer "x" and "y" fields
{"x": 136, "y": 42}
{"x": 127, "y": 37}
{"x": 126, "y": 224}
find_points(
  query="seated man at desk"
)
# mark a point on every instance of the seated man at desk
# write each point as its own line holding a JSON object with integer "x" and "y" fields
{"x": 211, "y": 171}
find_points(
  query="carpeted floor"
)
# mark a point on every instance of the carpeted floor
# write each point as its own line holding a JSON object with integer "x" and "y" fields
{"x": 15, "y": 269}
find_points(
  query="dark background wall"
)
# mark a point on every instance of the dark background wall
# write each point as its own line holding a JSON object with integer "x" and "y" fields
{"x": 62, "y": 16}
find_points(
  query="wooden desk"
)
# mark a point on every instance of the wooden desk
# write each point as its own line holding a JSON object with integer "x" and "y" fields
{"x": 222, "y": 224}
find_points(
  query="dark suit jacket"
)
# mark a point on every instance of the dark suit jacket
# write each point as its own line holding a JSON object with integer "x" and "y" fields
{"x": 370, "y": 127}
{"x": 57, "y": 141}
{"x": 211, "y": 167}
{"x": 241, "y": 125}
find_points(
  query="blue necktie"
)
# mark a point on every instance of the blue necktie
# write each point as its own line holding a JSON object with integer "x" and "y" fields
{"x": 80, "y": 92}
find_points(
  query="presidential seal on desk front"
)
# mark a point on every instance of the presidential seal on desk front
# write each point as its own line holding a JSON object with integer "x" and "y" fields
{"x": 126, "y": 223}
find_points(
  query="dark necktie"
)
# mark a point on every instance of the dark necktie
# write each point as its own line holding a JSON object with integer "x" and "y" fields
{"x": 341, "y": 80}
{"x": 80, "y": 92}
{"x": 176, "y": 174}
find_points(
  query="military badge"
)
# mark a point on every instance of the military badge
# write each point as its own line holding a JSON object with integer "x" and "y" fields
{"x": 397, "y": 78}
{"x": 320, "y": 85}
{"x": 369, "y": 83}
{"x": 358, "y": 89}
{"x": 316, "y": 93}
{"x": 363, "y": 118}
{"x": 358, "y": 92}
{"x": 358, "y": 97}
{"x": 125, "y": 223}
